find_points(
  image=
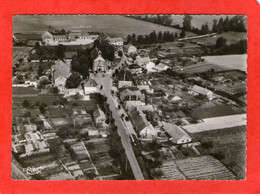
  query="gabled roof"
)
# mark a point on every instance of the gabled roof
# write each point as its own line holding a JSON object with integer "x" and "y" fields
{"x": 200, "y": 90}
{"x": 99, "y": 58}
{"x": 139, "y": 119}
{"x": 97, "y": 112}
{"x": 175, "y": 132}
{"x": 125, "y": 75}
{"x": 90, "y": 83}
{"x": 126, "y": 47}
{"x": 103, "y": 36}
{"x": 142, "y": 61}
{"x": 161, "y": 66}
{"x": 115, "y": 40}
{"x": 60, "y": 69}
{"x": 94, "y": 53}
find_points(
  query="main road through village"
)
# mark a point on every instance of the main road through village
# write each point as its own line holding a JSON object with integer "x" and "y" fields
{"x": 123, "y": 132}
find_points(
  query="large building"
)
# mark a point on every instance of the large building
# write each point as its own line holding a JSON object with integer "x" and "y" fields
{"x": 74, "y": 37}
{"x": 144, "y": 129}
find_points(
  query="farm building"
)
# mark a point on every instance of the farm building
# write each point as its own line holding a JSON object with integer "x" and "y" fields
{"x": 142, "y": 126}
{"x": 197, "y": 90}
{"x": 116, "y": 41}
{"x": 177, "y": 135}
{"x": 74, "y": 37}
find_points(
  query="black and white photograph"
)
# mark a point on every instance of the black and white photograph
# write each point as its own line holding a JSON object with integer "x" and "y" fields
{"x": 129, "y": 97}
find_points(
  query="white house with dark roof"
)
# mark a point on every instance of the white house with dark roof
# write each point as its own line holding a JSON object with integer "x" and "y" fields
{"x": 143, "y": 128}
{"x": 142, "y": 61}
{"x": 177, "y": 135}
{"x": 99, "y": 117}
{"x": 90, "y": 86}
{"x": 130, "y": 49}
{"x": 197, "y": 90}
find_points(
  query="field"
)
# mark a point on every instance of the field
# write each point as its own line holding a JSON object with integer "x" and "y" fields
{"x": 228, "y": 62}
{"x": 114, "y": 25}
{"x": 209, "y": 109}
{"x": 231, "y": 143}
{"x": 198, "y": 20}
{"x": 218, "y": 63}
{"x": 232, "y": 37}
{"x": 20, "y": 53}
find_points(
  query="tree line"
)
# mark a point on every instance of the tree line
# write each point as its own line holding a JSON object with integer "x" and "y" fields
{"x": 152, "y": 38}
{"x": 227, "y": 24}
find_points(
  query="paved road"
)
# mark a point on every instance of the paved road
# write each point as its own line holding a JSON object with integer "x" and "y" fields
{"x": 18, "y": 172}
{"x": 122, "y": 129}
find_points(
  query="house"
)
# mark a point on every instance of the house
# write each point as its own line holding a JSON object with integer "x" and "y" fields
{"x": 146, "y": 87}
{"x": 60, "y": 73}
{"x": 90, "y": 86}
{"x": 142, "y": 61}
{"x": 132, "y": 97}
{"x": 73, "y": 37}
{"x": 144, "y": 129}
{"x": 130, "y": 49}
{"x": 99, "y": 117}
{"x": 197, "y": 90}
{"x": 150, "y": 67}
{"x": 99, "y": 64}
{"x": 161, "y": 67}
{"x": 125, "y": 79}
{"x": 134, "y": 69}
{"x": 116, "y": 41}
{"x": 177, "y": 135}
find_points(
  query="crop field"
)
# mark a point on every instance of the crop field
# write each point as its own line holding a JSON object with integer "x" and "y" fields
{"x": 208, "y": 110}
{"x": 232, "y": 37}
{"x": 231, "y": 143}
{"x": 218, "y": 63}
{"x": 114, "y": 25}
{"x": 228, "y": 62}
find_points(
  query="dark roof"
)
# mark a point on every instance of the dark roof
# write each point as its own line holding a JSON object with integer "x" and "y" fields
{"x": 125, "y": 75}
{"x": 139, "y": 119}
{"x": 94, "y": 53}
{"x": 129, "y": 88}
{"x": 133, "y": 66}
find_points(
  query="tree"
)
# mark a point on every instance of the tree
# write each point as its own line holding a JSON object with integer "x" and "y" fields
{"x": 60, "y": 51}
{"x": 129, "y": 39}
{"x": 182, "y": 34}
{"x": 187, "y": 22}
{"x": 153, "y": 37}
{"x": 140, "y": 39}
{"x": 73, "y": 81}
{"x": 221, "y": 42}
{"x": 108, "y": 50}
{"x": 160, "y": 37}
{"x": 26, "y": 103}
{"x": 215, "y": 26}
{"x": 133, "y": 38}
{"x": 226, "y": 24}
{"x": 220, "y": 25}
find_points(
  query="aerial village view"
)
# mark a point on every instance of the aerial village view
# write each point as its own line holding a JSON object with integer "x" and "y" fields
{"x": 129, "y": 97}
